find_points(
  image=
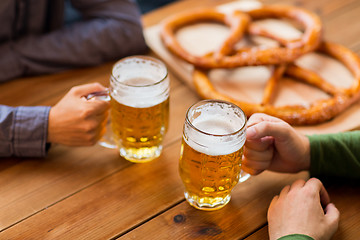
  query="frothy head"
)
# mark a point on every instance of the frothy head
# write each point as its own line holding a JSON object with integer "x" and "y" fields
{"x": 215, "y": 127}
{"x": 139, "y": 81}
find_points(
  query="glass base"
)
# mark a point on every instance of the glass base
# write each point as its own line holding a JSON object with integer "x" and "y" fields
{"x": 141, "y": 155}
{"x": 107, "y": 140}
{"x": 244, "y": 176}
{"x": 207, "y": 203}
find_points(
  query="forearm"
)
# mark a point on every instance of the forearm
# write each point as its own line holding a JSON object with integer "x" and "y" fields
{"x": 10, "y": 66}
{"x": 109, "y": 30}
{"x": 23, "y": 131}
{"x": 335, "y": 155}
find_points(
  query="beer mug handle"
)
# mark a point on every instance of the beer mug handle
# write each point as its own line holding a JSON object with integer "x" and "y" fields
{"x": 244, "y": 176}
{"x": 107, "y": 139}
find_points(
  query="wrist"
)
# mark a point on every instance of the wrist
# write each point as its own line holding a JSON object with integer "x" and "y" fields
{"x": 306, "y": 160}
{"x": 51, "y": 127}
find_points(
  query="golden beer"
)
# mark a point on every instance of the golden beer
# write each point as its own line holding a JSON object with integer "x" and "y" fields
{"x": 211, "y": 153}
{"x": 139, "y": 91}
{"x": 209, "y": 179}
{"x": 139, "y": 131}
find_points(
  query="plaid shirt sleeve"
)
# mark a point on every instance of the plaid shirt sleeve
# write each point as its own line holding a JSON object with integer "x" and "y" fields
{"x": 23, "y": 131}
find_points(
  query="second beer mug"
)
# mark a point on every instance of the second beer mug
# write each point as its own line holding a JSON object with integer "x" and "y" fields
{"x": 139, "y": 91}
{"x": 211, "y": 153}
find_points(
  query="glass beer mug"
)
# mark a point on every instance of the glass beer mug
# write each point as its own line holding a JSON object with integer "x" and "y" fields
{"x": 139, "y": 115}
{"x": 211, "y": 153}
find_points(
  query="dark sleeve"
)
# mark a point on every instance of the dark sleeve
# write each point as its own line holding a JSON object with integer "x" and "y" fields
{"x": 296, "y": 237}
{"x": 110, "y": 29}
{"x": 23, "y": 131}
{"x": 335, "y": 155}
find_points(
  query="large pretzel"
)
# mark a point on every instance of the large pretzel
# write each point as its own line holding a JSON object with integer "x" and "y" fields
{"x": 237, "y": 21}
{"x": 281, "y": 57}
{"x": 316, "y": 112}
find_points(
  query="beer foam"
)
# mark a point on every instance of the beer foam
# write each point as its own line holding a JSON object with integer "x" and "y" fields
{"x": 222, "y": 129}
{"x": 219, "y": 143}
{"x": 139, "y": 82}
{"x": 216, "y": 126}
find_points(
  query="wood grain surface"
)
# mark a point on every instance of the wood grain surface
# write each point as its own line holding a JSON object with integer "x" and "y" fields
{"x": 93, "y": 193}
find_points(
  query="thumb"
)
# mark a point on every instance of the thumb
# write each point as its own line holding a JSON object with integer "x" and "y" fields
{"x": 332, "y": 214}
{"x": 85, "y": 89}
{"x": 279, "y": 130}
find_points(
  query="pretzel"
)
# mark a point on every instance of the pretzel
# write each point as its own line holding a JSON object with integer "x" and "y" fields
{"x": 282, "y": 58}
{"x": 318, "y": 111}
{"x": 237, "y": 22}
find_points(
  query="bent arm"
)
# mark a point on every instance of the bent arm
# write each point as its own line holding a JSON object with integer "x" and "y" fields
{"x": 335, "y": 155}
{"x": 23, "y": 131}
{"x": 110, "y": 29}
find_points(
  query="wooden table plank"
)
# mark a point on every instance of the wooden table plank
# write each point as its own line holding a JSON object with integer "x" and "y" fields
{"x": 92, "y": 193}
{"x": 110, "y": 206}
{"x": 68, "y": 170}
{"x": 343, "y": 28}
{"x": 245, "y": 213}
{"x": 48, "y": 89}
{"x": 346, "y": 197}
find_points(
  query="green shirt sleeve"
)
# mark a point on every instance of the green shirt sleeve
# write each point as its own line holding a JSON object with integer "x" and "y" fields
{"x": 335, "y": 155}
{"x": 296, "y": 237}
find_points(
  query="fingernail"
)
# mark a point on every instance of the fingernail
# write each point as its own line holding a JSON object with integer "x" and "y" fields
{"x": 250, "y": 132}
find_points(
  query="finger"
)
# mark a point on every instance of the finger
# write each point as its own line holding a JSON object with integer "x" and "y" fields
{"x": 258, "y": 154}
{"x": 101, "y": 108}
{"x": 272, "y": 204}
{"x": 284, "y": 191}
{"x": 85, "y": 89}
{"x": 256, "y": 165}
{"x": 279, "y": 130}
{"x": 317, "y": 186}
{"x": 298, "y": 184}
{"x": 100, "y": 119}
{"x": 251, "y": 171}
{"x": 257, "y": 160}
{"x": 103, "y": 127}
{"x": 332, "y": 214}
{"x": 260, "y": 117}
{"x": 97, "y": 108}
{"x": 260, "y": 144}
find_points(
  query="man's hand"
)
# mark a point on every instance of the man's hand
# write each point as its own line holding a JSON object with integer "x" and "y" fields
{"x": 272, "y": 144}
{"x": 303, "y": 208}
{"x": 75, "y": 121}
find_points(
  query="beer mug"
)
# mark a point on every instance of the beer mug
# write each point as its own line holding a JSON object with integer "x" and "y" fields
{"x": 139, "y": 114}
{"x": 211, "y": 153}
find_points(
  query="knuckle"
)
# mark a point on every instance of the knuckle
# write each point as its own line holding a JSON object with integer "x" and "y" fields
{"x": 86, "y": 113}
{"x": 74, "y": 89}
{"x": 314, "y": 181}
{"x": 299, "y": 181}
{"x": 90, "y": 127}
{"x": 91, "y": 139}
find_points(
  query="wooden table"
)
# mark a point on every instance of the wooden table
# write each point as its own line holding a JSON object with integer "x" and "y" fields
{"x": 92, "y": 193}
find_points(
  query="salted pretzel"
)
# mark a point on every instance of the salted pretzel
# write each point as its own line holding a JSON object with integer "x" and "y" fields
{"x": 237, "y": 21}
{"x": 318, "y": 111}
